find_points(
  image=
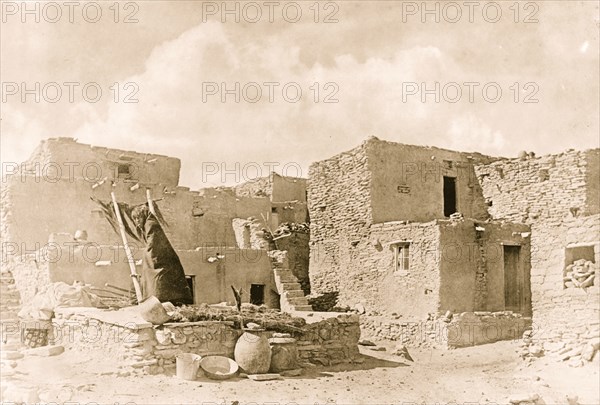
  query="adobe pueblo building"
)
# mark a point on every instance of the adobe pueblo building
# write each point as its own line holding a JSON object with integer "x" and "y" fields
{"x": 451, "y": 248}
{"x": 46, "y": 200}
{"x": 430, "y": 246}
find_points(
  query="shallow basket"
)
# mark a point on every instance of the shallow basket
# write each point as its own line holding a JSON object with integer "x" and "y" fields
{"x": 218, "y": 367}
{"x": 35, "y": 333}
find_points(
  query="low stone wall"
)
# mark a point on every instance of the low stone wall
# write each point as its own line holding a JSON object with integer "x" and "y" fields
{"x": 477, "y": 328}
{"x": 136, "y": 346}
{"x": 461, "y": 330}
{"x": 331, "y": 340}
{"x": 412, "y": 333}
{"x": 30, "y": 273}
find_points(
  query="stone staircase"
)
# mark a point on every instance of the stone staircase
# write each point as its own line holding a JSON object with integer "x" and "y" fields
{"x": 290, "y": 292}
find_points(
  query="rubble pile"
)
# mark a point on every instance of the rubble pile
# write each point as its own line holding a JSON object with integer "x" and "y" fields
{"x": 327, "y": 302}
{"x": 576, "y": 352}
{"x": 288, "y": 227}
{"x": 580, "y": 274}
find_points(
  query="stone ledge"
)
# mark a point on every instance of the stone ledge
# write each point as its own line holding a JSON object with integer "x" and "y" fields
{"x": 127, "y": 318}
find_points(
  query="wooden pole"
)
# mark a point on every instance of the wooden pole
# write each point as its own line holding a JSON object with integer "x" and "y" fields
{"x": 151, "y": 203}
{"x": 134, "y": 275}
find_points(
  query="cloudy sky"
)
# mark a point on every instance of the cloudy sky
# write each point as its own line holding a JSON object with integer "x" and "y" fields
{"x": 373, "y": 58}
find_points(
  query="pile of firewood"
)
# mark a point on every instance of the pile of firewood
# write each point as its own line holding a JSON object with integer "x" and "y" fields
{"x": 580, "y": 274}
{"x": 269, "y": 319}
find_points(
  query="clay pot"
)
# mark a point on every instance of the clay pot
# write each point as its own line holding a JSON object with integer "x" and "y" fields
{"x": 284, "y": 354}
{"x": 252, "y": 352}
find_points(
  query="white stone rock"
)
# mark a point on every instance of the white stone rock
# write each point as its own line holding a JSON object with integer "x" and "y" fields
{"x": 46, "y": 351}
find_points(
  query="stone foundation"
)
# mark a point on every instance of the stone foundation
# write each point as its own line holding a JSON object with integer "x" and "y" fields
{"x": 136, "y": 346}
{"x": 461, "y": 330}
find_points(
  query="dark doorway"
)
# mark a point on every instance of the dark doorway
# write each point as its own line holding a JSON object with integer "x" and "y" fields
{"x": 514, "y": 283}
{"x": 257, "y": 294}
{"x": 191, "y": 283}
{"x": 449, "y": 196}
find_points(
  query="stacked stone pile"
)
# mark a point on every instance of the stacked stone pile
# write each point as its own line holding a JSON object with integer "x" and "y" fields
{"x": 580, "y": 274}
{"x": 576, "y": 352}
{"x": 9, "y": 295}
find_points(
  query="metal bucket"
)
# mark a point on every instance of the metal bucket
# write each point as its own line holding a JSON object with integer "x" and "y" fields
{"x": 187, "y": 366}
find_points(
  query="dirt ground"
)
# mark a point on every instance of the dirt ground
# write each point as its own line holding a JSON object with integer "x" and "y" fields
{"x": 484, "y": 374}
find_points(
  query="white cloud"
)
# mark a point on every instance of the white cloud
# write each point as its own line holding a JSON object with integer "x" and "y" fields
{"x": 20, "y": 134}
{"x": 469, "y": 133}
{"x": 172, "y": 119}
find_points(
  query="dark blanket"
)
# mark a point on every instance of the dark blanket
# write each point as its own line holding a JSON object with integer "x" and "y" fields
{"x": 162, "y": 272}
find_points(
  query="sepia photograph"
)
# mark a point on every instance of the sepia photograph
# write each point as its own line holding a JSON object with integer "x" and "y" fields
{"x": 300, "y": 202}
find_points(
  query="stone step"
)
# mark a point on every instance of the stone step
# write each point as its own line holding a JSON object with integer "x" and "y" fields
{"x": 302, "y": 308}
{"x": 294, "y": 293}
{"x": 283, "y": 272}
{"x": 290, "y": 286}
{"x": 287, "y": 280}
{"x": 298, "y": 301}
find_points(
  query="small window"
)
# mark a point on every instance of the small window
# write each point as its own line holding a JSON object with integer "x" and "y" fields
{"x": 123, "y": 171}
{"x": 274, "y": 210}
{"x": 401, "y": 256}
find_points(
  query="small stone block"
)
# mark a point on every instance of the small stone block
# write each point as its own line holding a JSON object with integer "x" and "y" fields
{"x": 264, "y": 377}
{"x": 46, "y": 351}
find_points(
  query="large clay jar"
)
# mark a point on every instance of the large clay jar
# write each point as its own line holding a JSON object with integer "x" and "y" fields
{"x": 252, "y": 352}
{"x": 284, "y": 354}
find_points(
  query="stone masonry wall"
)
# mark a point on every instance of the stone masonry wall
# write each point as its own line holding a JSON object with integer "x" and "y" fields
{"x": 558, "y": 196}
{"x": 459, "y": 330}
{"x": 559, "y": 313}
{"x": 339, "y": 210}
{"x": 138, "y": 347}
{"x": 549, "y": 188}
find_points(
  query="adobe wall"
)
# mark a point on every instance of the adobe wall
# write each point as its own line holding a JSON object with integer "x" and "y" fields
{"x": 66, "y": 207}
{"x": 339, "y": 191}
{"x": 66, "y": 158}
{"x": 472, "y": 264}
{"x": 407, "y": 182}
{"x": 373, "y": 281}
{"x": 196, "y": 218}
{"x": 287, "y": 188}
{"x": 216, "y": 208}
{"x": 276, "y": 187}
{"x": 296, "y": 212}
{"x": 240, "y": 268}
